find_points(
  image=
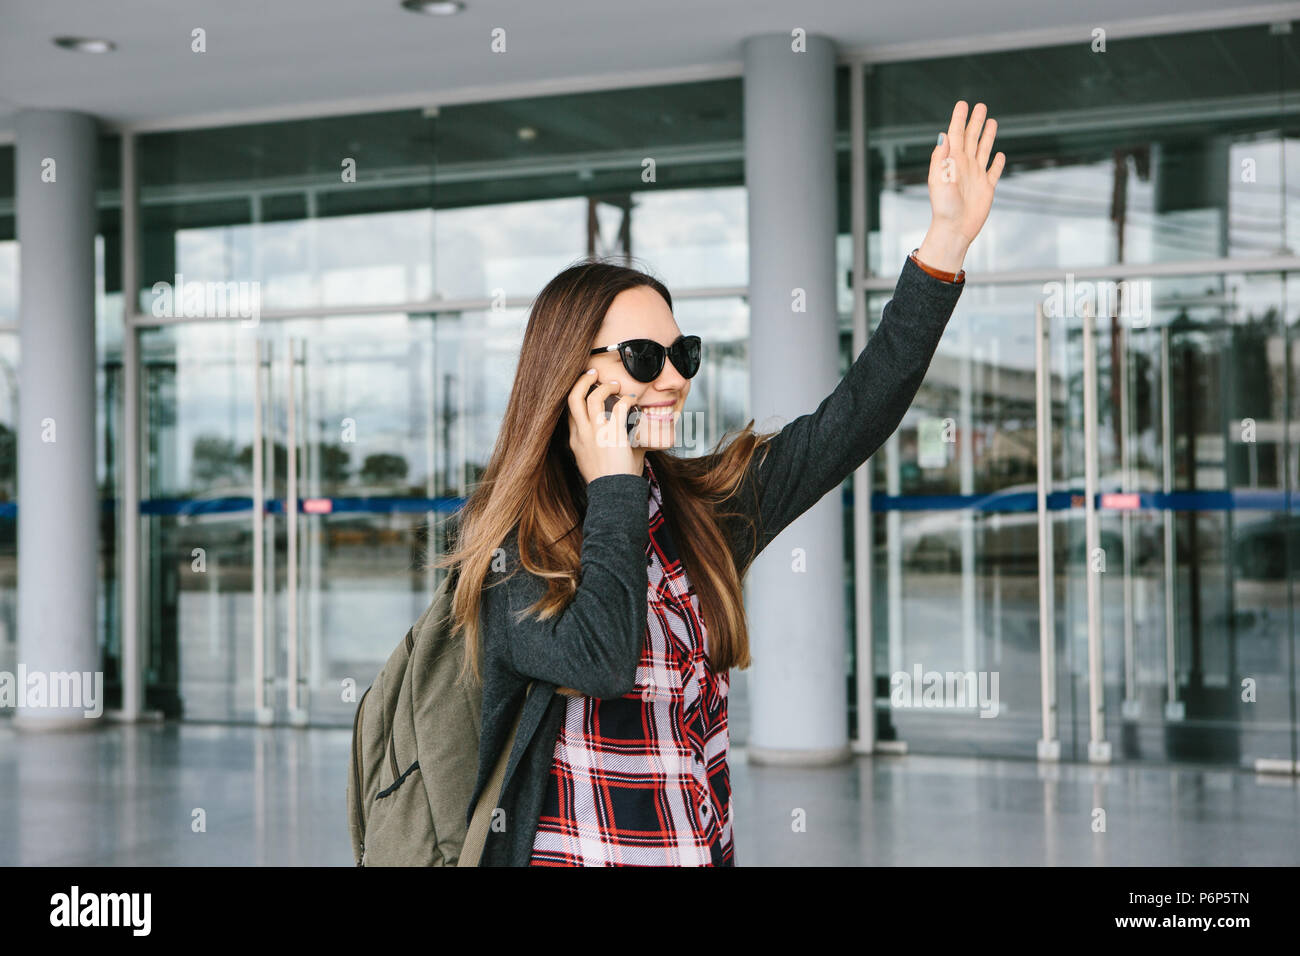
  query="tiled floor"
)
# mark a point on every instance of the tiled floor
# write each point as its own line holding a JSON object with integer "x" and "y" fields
{"x": 131, "y": 795}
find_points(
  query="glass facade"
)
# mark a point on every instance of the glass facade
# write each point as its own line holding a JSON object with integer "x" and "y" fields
{"x": 462, "y": 203}
{"x": 1164, "y": 152}
{"x": 374, "y": 273}
{"x": 1161, "y": 149}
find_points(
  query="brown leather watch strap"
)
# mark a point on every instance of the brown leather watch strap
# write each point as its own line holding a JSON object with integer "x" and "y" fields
{"x": 938, "y": 273}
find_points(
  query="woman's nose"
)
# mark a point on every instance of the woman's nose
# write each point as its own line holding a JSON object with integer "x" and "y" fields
{"x": 670, "y": 380}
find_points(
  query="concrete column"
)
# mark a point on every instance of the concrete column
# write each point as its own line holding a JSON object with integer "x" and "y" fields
{"x": 798, "y": 633}
{"x": 58, "y": 513}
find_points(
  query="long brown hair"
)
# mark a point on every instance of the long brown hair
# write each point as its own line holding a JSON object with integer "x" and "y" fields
{"x": 532, "y": 482}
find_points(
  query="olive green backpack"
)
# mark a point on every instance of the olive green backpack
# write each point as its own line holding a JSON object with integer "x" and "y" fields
{"x": 415, "y": 743}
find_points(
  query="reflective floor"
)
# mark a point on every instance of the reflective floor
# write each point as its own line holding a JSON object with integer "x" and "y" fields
{"x": 201, "y": 795}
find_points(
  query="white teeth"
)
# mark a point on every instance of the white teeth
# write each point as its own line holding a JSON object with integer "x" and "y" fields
{"x": 663, "y": 413}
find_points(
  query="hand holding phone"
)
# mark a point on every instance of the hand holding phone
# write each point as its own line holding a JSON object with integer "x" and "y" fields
{"x": 633, "y": 416}
{"x": 594, "y": 448}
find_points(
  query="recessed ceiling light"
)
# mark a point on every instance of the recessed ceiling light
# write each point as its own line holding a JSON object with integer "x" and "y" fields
{"x": 527, "y": 133}
{"x": 84, "y": 44}
{"x": 437, "y": 8}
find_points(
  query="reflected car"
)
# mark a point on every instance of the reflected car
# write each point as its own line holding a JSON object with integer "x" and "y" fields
{"x": 1266, "y": 549}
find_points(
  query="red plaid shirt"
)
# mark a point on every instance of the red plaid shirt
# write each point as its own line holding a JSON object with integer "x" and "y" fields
{"x": 642, "y": 780}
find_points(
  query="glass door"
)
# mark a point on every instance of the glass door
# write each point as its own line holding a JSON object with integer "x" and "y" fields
{"x": 360, "y": 482}
{"x": 197, "y": 407}
{"x": 1193, "y": 548}
{"x": 291, "y": 479}
{"x": 296, "y": 481}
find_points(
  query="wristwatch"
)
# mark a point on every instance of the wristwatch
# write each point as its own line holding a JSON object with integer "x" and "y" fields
{"x": 938, "y": 273}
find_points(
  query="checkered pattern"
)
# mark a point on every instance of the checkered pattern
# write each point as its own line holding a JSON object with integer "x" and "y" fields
{"x": 642, "y": 780}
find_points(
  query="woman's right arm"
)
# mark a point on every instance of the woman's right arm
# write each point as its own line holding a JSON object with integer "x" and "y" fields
{"x": 594, "y": 644}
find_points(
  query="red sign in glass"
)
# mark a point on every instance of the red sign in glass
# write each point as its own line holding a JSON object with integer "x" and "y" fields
{"x": 317, "y": 506}
{"x": 1120, "y": 500}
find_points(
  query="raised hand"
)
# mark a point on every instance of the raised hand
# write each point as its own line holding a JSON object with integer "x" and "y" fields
{"x": 961, "y": 185}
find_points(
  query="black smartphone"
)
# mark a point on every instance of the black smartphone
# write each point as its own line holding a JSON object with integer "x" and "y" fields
{"x": 633, "y": 416}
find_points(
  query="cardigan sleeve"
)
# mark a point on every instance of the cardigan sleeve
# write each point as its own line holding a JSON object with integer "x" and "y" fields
{"x": 594, "y": 644}
{"x": 815, "y": 452}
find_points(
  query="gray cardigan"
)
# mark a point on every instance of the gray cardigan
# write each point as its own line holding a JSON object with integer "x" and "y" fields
{"x": 595, "y": 644}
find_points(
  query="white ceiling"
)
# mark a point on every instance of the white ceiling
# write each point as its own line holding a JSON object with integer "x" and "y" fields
{"x": 269, "y": 57}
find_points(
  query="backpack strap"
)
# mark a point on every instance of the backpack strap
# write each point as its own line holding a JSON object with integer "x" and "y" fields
{"x": 476, "y": 837}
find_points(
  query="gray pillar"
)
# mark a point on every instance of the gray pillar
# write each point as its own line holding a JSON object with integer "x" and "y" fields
{"x": 797, "y": 684}
{"x": 58, "y": 514}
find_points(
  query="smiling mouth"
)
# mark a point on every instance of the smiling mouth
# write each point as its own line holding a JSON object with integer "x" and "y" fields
{"x": 657, "y": 413}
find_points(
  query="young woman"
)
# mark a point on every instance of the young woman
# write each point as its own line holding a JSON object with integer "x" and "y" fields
{"x": 599, "y": 575}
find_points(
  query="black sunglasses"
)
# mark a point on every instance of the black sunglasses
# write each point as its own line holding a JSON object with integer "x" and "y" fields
{"x": 644, "y": 358}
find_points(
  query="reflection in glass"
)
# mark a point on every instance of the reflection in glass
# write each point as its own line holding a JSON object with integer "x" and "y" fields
{"x": 1107, "y": 160}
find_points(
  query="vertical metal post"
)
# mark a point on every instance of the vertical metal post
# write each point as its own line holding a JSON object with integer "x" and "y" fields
{"x": 129, "y": 499}
{"x": 993, "y": 386}
{"x": 260, "y": 711}
{"x": 297, "y": 715}
{"x": 1049, "y": 747}
{"x": 1173, "y": 706}
{"x": 314, "y": 524}
{"x": 894, "y": 555}
{"x": 715, "y": 368}
{"x": 430, "y": 451}
{"x": 271, "y": 592}
{"x": 430, "y": 370}
{"x": 462, "y": 419}
{"x": 966, "y": 479}
{"x": 865, "y": 683}
{"x": 1098, "y": 746}
{"x": 1131, "y": 706}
